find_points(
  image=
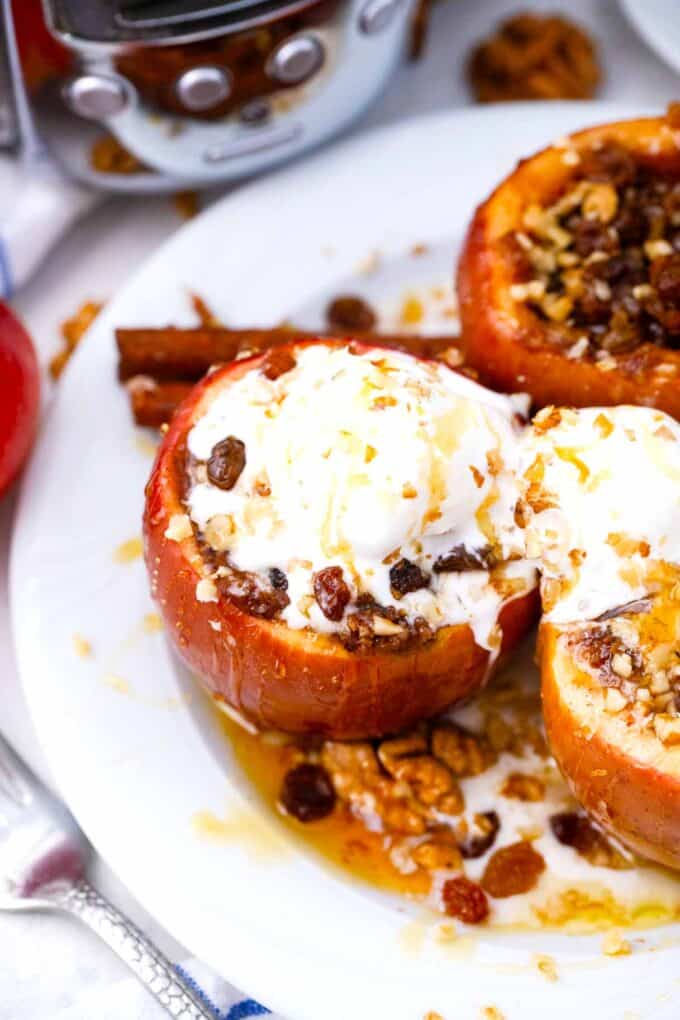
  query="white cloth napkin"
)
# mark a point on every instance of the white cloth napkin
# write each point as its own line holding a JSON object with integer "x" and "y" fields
{"x": 127, "y": 998}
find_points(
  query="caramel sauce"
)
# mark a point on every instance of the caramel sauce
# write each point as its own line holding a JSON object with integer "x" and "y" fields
{"x": 341, "y": 840}
{"x": 128, "y": 552}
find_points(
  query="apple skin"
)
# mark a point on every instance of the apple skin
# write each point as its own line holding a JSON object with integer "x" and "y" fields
{"x": 19, "y": 396}
{"x": 504, "y": 340}
{"x": 296, "y": 680}
{"x": 627, "y": 781}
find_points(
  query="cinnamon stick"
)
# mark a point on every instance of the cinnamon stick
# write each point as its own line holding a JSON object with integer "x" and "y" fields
{"x": 187, "y": 354}
{"x": 154, "y": 403}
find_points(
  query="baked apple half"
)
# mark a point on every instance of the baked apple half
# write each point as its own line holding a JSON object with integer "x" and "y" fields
{"x": 569, "y": 280}
{"x": 601, "y": 506}
{"x": 611, "y": 704}
{"x": 330, "y": 536}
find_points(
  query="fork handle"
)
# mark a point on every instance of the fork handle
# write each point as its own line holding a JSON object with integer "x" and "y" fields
{"x": 153, "y": 969}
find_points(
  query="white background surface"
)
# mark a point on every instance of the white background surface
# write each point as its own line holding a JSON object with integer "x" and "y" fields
{"x": 42, "y": 958}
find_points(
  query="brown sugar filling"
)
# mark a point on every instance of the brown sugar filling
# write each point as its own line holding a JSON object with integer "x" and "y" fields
{"x": 601, "y": 264}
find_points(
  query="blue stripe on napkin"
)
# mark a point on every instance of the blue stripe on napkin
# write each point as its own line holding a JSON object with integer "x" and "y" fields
{"x": 242, "y": 1010}
{"x": 6, "y": 283}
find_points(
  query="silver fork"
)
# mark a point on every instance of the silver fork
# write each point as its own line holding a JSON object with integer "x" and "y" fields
{"x": 43, "y": 855}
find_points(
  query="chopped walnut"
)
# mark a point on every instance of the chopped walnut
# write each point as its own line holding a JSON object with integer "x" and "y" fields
{"x": 179, "y": 528}
{"x": 429, "y": 780}
{"x": 437, "y": 855}
{"x": 535, "y": 56}
{"x": 464, "y": 753}
{"x": 601, "y": 264}
{"x": 519, "y": 786}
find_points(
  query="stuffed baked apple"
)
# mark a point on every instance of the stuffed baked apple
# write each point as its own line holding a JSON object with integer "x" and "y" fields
{"x": 330, "y": 535}
{"x": 601, "y": 507}
{"x": 569, "y": 281}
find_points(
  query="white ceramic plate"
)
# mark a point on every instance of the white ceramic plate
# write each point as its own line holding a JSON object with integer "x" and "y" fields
{"x": 658, "y": 22}
{"x": 135, "y": 750}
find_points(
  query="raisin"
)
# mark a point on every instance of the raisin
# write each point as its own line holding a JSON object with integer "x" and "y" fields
{"x": 331, "y": 592}
{"x": 465, "y": 900}
{"x": 278, "y": 579}
{"x": 477, "y": 842}
{"x": 308, "y": 793}
{"x": 461, "y": 559}
{"x": 350, "y": 313}
{"x": 612, "y": 164}
{"x": 591, "y": 236}
{"x": 248, "y": 595}
{"x": 627, "y": 267}
{"x": 630, "y": 225}
{"x": 277, "y": 362}
{"x": 405, "y": 577}
{"x": 573, "y": 829}
{"x": 512, "y": 870}
{"x": 665, "y": 277}
{"x": 227, "y": 461}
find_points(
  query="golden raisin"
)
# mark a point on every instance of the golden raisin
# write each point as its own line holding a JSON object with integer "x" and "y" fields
{"x": 512, "y": 870}
{"x": 465, "y": 900}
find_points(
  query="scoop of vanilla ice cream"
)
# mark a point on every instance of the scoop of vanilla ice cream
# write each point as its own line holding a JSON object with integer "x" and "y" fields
{"x": 358, "y": 460}
{"x": 601, "y": 490}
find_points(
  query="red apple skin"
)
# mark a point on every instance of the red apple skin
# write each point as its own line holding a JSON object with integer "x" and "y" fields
{"x": 637, "y": 801}
{"x": 19, "y": 396}
{"x": 297, "y": 680}
{"x": 504, "y": 340}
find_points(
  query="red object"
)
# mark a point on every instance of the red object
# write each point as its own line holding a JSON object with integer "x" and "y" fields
{"x": 42, "y": 57}
{"x": 19, "y": 396}
{"x": 296, "y": 680}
